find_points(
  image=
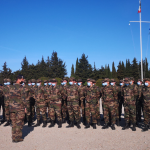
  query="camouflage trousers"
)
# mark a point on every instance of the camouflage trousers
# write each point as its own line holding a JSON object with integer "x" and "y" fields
{"x": 117, "y": 109}
{"x": 55, "y": 107}
{"x": 7, "y": 113}
{"x": 109, "y": 108}
{"x": 41, "y": 107}
{"x": 81, "y": 107}
{"x": 146, "y": 111}
{"x": 73, "y": 110}
{"x": 90, "y": 108}
{"x": 98, "y": 111}
{"x": 17, "y": 119}
{"x": 139, "y": 106}
{"x": 3, "y": 106}
{"x": 47, "y": 105}
{"x": 64, "y": 110}
{"x": 130, "y": 112}
{"x": 30, "y": 111}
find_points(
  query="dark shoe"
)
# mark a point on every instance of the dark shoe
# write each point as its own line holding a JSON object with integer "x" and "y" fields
{"x": 2, "y": 121}
{"x": 118, "y": 123}
{"x": 48, "y": 120}
{"x": 52, "y": 124}
{"x": 70, "y": 125}
{"x": 63, "y": 120}
{"x": 7, "y": 124}
{"x": 29, "y": 124}
{"x": 78, "y": 125}
{"x": 145, "y": 128}
{"x": 134, "y": 127}
{"x": 84, "y": 121}
{"x": 59, "y": 124}
{"x": 38, "y": 123}
{"x": 16, "y": 141}
{"x": 98, "y": 122}
{"x": 87, "y": 126}
{"x": 113, "y": 126}
{"x": 126, "y": 127}
{"x": 105, "y": 126}
{"x": 44, "y": 124}
{"x": 94, "y": 125}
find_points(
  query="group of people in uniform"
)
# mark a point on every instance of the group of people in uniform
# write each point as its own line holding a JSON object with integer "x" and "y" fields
{"x": 73, "y": 102}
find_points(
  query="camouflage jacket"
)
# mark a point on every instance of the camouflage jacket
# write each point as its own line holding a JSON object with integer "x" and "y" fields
{"x": 81, "y": 90}
{"x": 130, "y": 93}
{"x": 29, "y": 91}
{"x": 116, "y": 92}
{"x": 1, "y": 91}
{"x": 17, "y": 98}
{"x": 5, "y": 91}
{"x": 92, "y": 94}
{"x": 40, "y": 94}
{"x": 72, "y": 93}
{"x": 146, "y": 94}
{"x": 55, "y": 93}
{"x": 108, "y": 94}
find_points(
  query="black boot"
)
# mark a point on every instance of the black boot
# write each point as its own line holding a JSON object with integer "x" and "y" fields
{"x": 44, "y": 124}
{"x": 84, "y": 121}
{"x": 38, "y": 123}
{"x": 48, "y": 120}
{"x": 105, "y": 126}
{"x": 71, "y": 124}
{"x": 87, "y": 126}
{"x": 126, "y": 126}
{"x": 29, "y": 124}
{"x": 145, "y": 128}
{"x": 134, "y": 127}
{"x": 113, "y": 126}
{"x": 7, "y": 123}
{"x": 94, "y": 125}
{"x": 63, "y": 120}
{"x": 2, "y": 121}
{"x": 78, "y": 125}
{"x": 59, "y": 124}
{"x": 118, "y": 123}
{"x": 98, "y": 122}
{"x": 52, "y": 124}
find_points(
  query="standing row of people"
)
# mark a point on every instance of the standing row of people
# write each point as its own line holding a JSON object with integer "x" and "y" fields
{"x": 72, "y": 99}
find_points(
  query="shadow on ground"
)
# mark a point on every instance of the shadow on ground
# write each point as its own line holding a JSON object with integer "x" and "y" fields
{"x": 26, "y": 130}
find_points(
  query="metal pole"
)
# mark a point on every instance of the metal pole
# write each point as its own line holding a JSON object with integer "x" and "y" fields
{"x": 141, "y": 48}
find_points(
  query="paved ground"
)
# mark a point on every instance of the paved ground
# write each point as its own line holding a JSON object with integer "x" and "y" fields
{"x": 83, "y": 139}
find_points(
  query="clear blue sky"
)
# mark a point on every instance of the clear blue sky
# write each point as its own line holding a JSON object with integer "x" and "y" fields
{"x": 98, "y": 28}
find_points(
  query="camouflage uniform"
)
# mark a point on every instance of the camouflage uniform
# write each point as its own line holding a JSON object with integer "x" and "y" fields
{"x": 92, "y": 94}
{"x": 130, "y": 93}
{"x": 73, "y": 103}
{"x": 109, "y": 104}
{"x": 2, "y": 103}
{"x": 40, "y": 94}
{"x": 55, "y": 103}
{"x": 17, "y": 103}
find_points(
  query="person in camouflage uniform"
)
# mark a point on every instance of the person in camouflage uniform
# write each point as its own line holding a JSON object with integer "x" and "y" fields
{"x": 81, "y": 90}
{"x": 92, "y": 94}
{"x": 2, "y": 103}
{"x": 72, "y": 95}
{"x": 139, "y": 102}
{"x": 109, "y": 104}
{"x": 146, "y": 103}
{"x": 64, "y": 101}
{"x": 130, "y": 93}
{"x": 55, "y": 103}
{"x": 14, "y": 82}
{"x": 116, "y": 94}
{"x": 97, "y": 106}
{"x": 17, "y": 104}
{"x": 40, "y": 94}
{"x": 6, "y": 100}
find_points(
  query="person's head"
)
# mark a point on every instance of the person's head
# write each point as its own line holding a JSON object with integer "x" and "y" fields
{"x": 131, "y": 80}
{"x": 33, "y": 81}
{"x": 112, "y": 82}
{"x": 75, "y": 82}
{"x": 147, "y": 82}
{"x": 126, "y": 81}
{"x": 139, "y": 82}
{"x": 49, "y": 82}
{"x": 89, "y": 82}
{"x": 65, "y": 81}
{"x": 29, "y": 82}
{"x": 38, "y": 82}
{"x": 106, "y": 81}
{"x": 121, "y": 83}
{"x": 54, "y": 82}
{"x": 5, "y": 81}
{"x": 71, "y": 81}
{"x": 79, "y": 82}
{"x": 45, "y": 82}
{"x": 14, "y": 82}
{"x": 19, "y": 79}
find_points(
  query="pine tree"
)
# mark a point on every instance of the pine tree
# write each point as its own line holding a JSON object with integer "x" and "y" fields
{"x": 114, "y": 74}
{"x": 77, "y": 69}
{"x": 135, "y": 72}
{"x": 25, "y": 67}
{"x": 72, "y": 71}
{"x": 120, "y": 74}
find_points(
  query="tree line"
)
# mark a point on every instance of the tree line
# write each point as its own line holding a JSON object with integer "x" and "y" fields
{"x": 54, "y": 67}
